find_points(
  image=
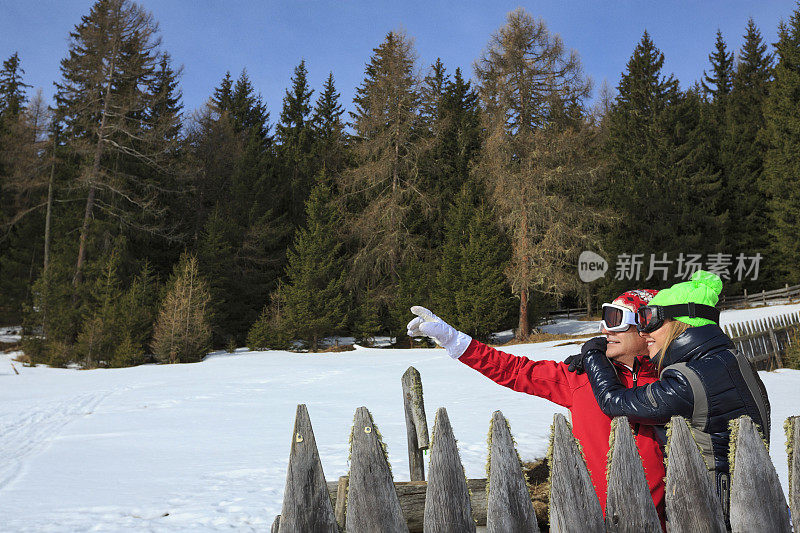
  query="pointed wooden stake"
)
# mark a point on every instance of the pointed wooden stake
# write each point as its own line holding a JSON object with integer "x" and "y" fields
{"x": 757, "y": 500}
{"x": 573, "y": 500}
{"x": 629, "y": 507}
{"x": 372, "y": 503}
{"x": 509, "y": 507}
{"x": 416, "y": 423}
{"x": 306, "y": 500}
{"x": 447, "y": 503}
{"x": 692, "y": 502}
{"x": 340, "y": 507}
{"x": 793, "y": 447}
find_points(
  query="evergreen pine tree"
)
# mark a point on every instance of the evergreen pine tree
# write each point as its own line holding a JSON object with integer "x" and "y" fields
{"x": 242, "y": 227}
{"x": 329, "y": 131}
{"x": 315, "y": 295}
{"x": 693, "y": 172}
{"x": 12, "y": 88}
{"x": 742, "y": 152}
{"x": 454, "y": 146}
{"x": 100, "y": 330}
{"x": 247, "y": 108}
{"x": 216, "y": 260}
{"x": 462, "y": 128}
{"x": 138, "y": 307}
{"x": 270, "y": 331}
{"x": 367, "y": 323}
{"x": 471, "y": 288}
{"x": 295, "y": 136}
{"x": 781, "y": 136}
{"x": 171, "y": 179}
{"x": 719, "y": 82}
{"x": 223, "y": 95}
{"x": 432, "y": 91}
{"x": 166, "y": 107}
{"x": 638, "y": 143}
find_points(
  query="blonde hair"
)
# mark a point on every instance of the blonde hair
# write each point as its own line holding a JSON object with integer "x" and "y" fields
{"x": 676, "y": 328}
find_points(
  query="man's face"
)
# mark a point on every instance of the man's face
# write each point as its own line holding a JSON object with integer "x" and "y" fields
{"x": 624, "y": 346}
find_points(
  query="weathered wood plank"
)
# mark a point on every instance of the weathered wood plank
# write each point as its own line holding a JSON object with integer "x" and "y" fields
{"x": 629, "y": 507}
{"x": 340, "y": 501}
{"x": 793, "y": 447}
{"x": 692, "y": 502}
{"x": 416, "y": 423}
{"x": 509, "y": 507}
{"x": 412, "y": 500}
{"x": 776, "y": 348}
{"x": 276, "y": 524}
{"x": 447, "y": 505}
{"x": 573, "y": 501}
{"x": 372, "y": 503}
{"x": 306, "y": 500}
{"x": 757, "y": 500}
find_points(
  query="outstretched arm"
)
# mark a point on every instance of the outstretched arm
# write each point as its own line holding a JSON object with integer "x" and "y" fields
{"x": 654, "y": 403}
{"x": 546, "y": 379}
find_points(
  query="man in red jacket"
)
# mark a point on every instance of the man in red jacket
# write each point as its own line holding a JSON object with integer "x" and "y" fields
{"x": 552, "y": 380}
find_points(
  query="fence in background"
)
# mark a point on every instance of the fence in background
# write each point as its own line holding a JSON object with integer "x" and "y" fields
{"x": 369, "y": 500}
{"x": 743, "y": 300}
{"x": 765, "y": 340}
{"x": 725, "y": 302}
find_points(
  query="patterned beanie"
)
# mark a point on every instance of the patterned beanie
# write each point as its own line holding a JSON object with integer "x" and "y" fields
{"x": 635, "y": 299}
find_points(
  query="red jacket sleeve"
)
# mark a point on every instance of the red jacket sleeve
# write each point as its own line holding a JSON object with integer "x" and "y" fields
{"x": 546, "y": 379}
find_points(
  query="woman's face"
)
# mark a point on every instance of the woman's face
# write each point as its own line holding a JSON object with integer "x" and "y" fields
{"x": 656, "y": 339}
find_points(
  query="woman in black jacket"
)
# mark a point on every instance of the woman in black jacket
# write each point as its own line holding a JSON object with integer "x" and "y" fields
{"x": 702, "y": 377}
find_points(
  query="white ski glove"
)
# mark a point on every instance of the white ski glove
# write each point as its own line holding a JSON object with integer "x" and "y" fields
{"x": 445, "y": 335}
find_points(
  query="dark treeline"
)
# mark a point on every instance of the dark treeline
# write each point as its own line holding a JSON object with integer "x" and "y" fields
{"x": 134, "y": 231}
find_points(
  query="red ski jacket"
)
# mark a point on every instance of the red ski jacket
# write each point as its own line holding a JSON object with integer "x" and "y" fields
{"x": 551, "y": 380}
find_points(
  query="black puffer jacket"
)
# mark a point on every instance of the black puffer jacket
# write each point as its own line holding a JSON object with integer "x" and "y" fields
{"x": 704, "y": 379}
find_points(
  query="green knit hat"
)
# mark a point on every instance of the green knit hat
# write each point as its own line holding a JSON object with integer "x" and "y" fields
{"x": 703, "y": 288}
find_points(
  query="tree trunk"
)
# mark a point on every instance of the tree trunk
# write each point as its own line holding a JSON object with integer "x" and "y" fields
{"x": 47, "y": 219}
{"x": 98, "y": 153}
{"x": 588, "y": 301}
{"x": 78, "y": 277}
{"x": 524, "y": 328}
{"x": 49, "y": 208}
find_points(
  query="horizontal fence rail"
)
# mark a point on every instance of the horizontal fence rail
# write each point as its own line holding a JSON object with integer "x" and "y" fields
{"x": 784, "y": 293}
{"x": 368, "y": 499}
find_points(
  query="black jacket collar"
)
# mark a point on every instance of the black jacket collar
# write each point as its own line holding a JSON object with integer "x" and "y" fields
{"x": 696, "y": 342}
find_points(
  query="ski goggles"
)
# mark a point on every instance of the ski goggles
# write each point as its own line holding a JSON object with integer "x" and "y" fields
{"x": 617, "y": 318}
{"x": 651, "y": 317}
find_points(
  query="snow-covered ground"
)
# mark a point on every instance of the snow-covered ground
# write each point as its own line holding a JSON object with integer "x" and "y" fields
{"x": 10, "y": 334}
{"x": 204, "y": 447}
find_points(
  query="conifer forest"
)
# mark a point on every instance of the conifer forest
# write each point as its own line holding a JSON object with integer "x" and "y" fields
{"x": 134, "y": 230}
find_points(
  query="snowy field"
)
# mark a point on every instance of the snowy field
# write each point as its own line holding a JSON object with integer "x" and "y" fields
{"x": 204, "y": 447}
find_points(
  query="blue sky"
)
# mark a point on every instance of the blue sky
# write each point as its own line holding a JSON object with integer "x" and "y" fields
{"x": 209, "y": 37}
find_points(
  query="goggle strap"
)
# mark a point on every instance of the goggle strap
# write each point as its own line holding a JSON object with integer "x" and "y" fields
{"x": 692, "y": 310}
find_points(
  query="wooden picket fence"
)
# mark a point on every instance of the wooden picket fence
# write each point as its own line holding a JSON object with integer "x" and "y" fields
{"x": 765, "y": 340}
{"x": 368, "y": 500}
